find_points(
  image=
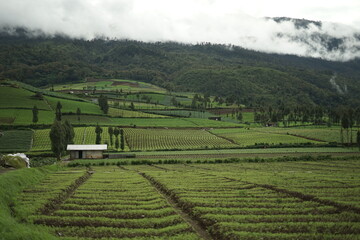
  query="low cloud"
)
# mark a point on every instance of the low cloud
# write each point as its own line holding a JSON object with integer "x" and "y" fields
{"x": 186, "y": 21}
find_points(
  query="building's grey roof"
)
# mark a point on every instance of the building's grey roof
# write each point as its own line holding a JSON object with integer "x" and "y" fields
{"x": 87, "y": 147}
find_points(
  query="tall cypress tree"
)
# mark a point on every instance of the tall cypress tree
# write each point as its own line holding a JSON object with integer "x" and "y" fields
{"x": 58, "y": 111}
{"x": 35, "y": 112}
{"x": 57, "y": 138}
{"x": 116, "y": 133}
{"x": 103, "y": 103}
{"x": 78, "y": 113}
{"x": 111, "y": 133}
{"x": 122, "y": 139}
{"x": 69, "y": 132}
{"x": 98, "y": 131}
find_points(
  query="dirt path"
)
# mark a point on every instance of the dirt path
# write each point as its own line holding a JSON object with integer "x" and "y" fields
{"x": 195, "y": 225}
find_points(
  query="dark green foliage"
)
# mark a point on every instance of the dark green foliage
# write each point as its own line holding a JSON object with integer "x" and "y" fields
{"x": 69, "y": 132}
{"x": 35, "y": 112}
{"x": 58, "y": 113}
{"x": 358, "y": 138}
{"x": 78, "y": 113}
{"x": 252, "y": 77}
{"x": 57, "y": 138}
{"x": 98, "y": 131}
{"x": 122, "y": 140}
{"x": 103, "y": 103}
{"x": 116, "y": 142}
{"x": 111, "y": 133}
{"x": 116, "y": 133}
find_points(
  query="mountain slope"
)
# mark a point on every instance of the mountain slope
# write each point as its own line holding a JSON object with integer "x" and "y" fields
{"x": 223, "y": 70}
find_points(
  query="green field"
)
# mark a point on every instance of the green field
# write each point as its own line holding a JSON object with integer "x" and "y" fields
{"x": 138, "y": 105}
{"x": 83, "y": 135}
{"x": 116, "y": 112}
{"x": 71, "y": 106}
{"x": 270, "y": 200}
{"x": 249, "y": 137}
{"x": 161, "y": 139}
{"x": 11, "y": 97}
{"x": 15, "y": 140}
{"x": 111, "y": 85}
{"x": 323, "y": 134}
{"x": 24, "y": 116}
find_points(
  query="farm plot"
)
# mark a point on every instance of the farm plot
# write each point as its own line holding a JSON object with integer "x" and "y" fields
{"x": 71, "y": 106}
{"x": 248, "y": 137}
{"x": 171, "y": 122}
{"x": 88, "y": 119}
{"x": 83, "y": 135}
{"x": 117, "y": 112}
{"x": 336, "y": 181}
{"x": 323, "y": 134}
{"x": 114, "y": 203}
{"x": 24, "y": 116}
{"x": 11, "y": 97}
{"x": 33, "y": 199}
{"x": 233, "y": 208}
{"x": 163, "y": 139}
{"x": 15, "y": 140}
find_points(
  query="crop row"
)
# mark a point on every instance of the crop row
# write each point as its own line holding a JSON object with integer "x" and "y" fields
{"x": 150, "y": 139}
{"x": 115, "y": 203}
{"x": 83, "y": 135}
{"x": 248, "y": 137}
{"x": 335, "y": 181}
{"x": 230, "y": 207}
{"x": 31, "y": 200}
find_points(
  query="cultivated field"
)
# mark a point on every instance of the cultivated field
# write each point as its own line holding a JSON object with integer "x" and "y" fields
{"x": 15, "y": 140}
{"x": 283, "y": 200}
{"x": 166, "y": 139}
{"x": 83, "y": 135}
{"x": 247, "y": 137}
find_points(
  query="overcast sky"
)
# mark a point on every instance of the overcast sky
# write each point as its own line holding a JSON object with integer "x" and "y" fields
{"x": 235, "y": 22}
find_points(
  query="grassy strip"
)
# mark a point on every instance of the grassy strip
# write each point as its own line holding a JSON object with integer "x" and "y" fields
{"x": 11, "y": 184}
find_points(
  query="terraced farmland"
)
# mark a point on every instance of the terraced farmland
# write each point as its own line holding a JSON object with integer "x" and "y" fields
{"x": 156, "y": 139}
{"x": 133, "y": 209}
{"x": 284, "y": 200}
{"x": 260, "y": 201}
{"x": 248, "y": 137}
{"x": 15, "y": 140}
{"x": 83, "y": 135}
{"x": 116, "y": 112}
{"x": 323, "y": 134}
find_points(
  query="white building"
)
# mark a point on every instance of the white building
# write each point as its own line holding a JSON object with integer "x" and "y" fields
{"x": 86, "y": 151}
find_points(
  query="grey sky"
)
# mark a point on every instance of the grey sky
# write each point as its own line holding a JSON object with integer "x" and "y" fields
{"x": 191, "y": 21}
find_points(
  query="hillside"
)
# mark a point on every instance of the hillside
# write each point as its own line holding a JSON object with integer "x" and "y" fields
{"x": 249, "y": 77}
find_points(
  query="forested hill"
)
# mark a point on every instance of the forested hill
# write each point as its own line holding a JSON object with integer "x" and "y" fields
{"x": 246, "y": 76}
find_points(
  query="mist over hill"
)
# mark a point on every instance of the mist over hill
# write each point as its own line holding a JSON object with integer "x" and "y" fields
{"x": 247, "y": 76}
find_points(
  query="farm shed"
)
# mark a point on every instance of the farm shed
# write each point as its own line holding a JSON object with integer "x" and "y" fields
{"x": 86, "y": 151}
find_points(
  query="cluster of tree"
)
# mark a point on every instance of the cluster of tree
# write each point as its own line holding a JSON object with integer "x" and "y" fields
{"x": 116, "y": 132}
{"x": 103, "y": 103}
{"x": 61, "y": 134}
{"x": 222, "y": 70}
{"x": 308, "y": 114}
{"x": 200, "y": 102}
